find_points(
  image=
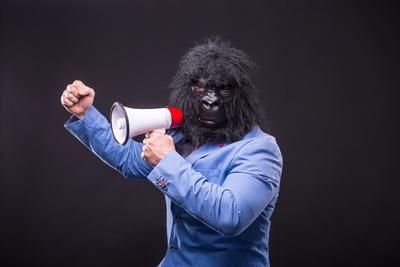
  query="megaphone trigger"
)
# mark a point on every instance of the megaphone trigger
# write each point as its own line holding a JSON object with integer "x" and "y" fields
{"x": 161, "y": 131}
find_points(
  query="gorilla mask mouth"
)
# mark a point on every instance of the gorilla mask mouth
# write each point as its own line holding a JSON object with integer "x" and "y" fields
{"x": 208, "y": 123}
{"x": 212, "y": 122}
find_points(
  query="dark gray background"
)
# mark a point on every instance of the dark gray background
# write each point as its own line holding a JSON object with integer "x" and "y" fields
{"x": 329, "y": 72}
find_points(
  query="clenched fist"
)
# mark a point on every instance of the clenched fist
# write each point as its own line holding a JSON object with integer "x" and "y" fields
{"x": 77, "y": 98}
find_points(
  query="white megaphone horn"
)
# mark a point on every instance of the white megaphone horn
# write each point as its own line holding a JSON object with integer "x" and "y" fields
{"x": 130, "y": 122}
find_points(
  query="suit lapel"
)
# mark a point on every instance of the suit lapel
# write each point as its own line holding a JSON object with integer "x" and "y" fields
{"x": 202, "y": 152}
{"x": 198, "y": 153}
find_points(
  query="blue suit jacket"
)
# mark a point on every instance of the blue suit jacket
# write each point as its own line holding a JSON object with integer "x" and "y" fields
{"x": 219, "y": 198}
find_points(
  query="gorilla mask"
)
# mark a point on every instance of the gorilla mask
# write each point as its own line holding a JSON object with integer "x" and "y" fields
{"x": 213, "y": 89}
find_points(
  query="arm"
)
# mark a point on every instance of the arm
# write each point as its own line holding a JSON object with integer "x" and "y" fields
{"x": 252, "y": 182}
{"x": 94, "y": 131}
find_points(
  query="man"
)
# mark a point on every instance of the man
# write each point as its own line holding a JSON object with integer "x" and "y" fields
{"x": 219, "y": 171}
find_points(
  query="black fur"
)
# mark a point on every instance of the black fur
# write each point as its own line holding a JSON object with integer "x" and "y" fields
{"x": 221, "y": 64}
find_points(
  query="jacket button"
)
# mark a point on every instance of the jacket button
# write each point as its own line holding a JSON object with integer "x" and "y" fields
{"x": 172, "y": 247}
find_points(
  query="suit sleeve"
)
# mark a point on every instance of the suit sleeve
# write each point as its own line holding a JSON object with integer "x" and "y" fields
{"x": 94, "y": 131}
{"x": 252, "y": 182}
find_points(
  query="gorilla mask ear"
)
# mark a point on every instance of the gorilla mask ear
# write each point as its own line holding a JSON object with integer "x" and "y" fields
{"x": 217, "y": 65}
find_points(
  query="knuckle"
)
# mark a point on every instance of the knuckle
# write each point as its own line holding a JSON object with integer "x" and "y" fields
{"x": 77, "y": 82}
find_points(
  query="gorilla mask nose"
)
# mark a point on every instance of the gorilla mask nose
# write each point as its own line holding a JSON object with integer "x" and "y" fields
{"x": 212, "y": 113}
{"x": 210, "y": 101}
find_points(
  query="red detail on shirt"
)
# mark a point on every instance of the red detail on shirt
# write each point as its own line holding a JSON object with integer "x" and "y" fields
{"x": 221, "y": 145}
{"x": 176, "y": 115}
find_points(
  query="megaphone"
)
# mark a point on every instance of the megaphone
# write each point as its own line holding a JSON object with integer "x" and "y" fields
{"x": 130, "y": 122}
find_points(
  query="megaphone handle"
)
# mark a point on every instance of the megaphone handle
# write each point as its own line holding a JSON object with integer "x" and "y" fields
{"x": 161, "y": 131}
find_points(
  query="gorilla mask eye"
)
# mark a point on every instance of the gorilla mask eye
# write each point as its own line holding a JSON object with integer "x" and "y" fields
{"x": 198, "y": 88}
{"x": 226, "y": 91}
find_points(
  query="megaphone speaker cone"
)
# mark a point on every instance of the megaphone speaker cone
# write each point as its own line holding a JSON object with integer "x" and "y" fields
{"x": 119, "y": 123}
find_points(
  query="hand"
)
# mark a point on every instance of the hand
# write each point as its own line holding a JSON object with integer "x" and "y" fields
{"x": 77, "y": 98}
{"x": 155, "y": 146}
